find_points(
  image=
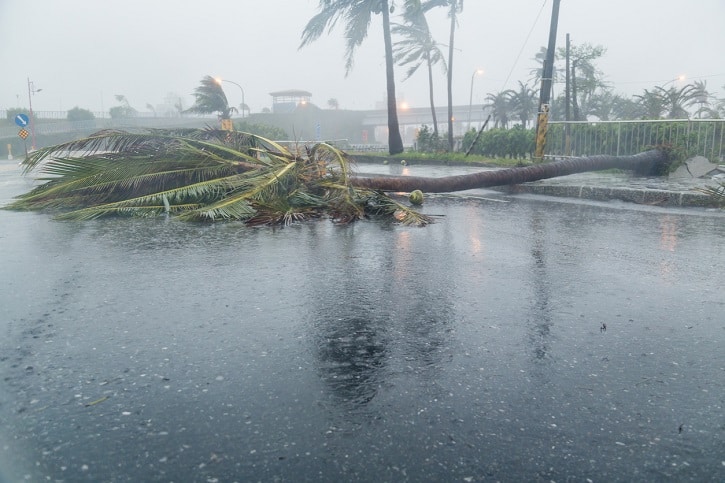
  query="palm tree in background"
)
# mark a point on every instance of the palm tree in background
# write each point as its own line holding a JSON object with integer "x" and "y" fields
{"x": 719, "y": 109}
{"x": 625, "y": 108}
{"x": 587, "y": 80}
{"x": 500, "y": 105}
{"x": 357, "y": 15}
{"x": 418, "y": 47}
{"x": 603, "y": 105}
{"x": 210, "y": 98}
{"x": 651, "y": 104}
{"x": 676, "y": 101}
{"x": 538, "y": 71}
{"x": 124, "y": 110}
{"x": 523, "y": 103}
{"x": 702, "y": 98}
{"x": 454, "y": 8}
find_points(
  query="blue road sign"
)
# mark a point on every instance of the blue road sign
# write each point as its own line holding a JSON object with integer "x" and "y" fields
{"x": 22, "y": 120}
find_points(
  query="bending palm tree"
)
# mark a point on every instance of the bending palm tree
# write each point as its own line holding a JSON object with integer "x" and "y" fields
{"x": 454, "y": 8}
{"x": 210, "y": 98}
{"x": 418, "y": 47}
{"x": 357, "y": 15}
{"x": 676, "y": 101}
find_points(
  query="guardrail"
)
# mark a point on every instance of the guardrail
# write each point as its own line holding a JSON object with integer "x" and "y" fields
{"x": 44, "y": 126}
{"x": 704, "y": 137}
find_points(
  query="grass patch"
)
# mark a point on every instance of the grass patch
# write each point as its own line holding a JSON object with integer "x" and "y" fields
{"x": 453, "y": 159}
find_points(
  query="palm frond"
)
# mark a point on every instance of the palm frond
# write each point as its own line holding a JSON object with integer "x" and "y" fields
{"x": 235, "y": 207}
{"x": 85, "y": 178}
{"x": 201, "y": 175}
{"x": 716, "y": 193}
{"x": 127, "y": 210}
{"x": 379, "y": 204}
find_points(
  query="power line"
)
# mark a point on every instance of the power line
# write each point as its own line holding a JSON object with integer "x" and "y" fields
{"x": 688, "y": 77}
{"x": 538, "y": 15}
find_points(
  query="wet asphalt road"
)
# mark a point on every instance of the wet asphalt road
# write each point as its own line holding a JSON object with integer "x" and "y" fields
{"x": 470, "y": 350}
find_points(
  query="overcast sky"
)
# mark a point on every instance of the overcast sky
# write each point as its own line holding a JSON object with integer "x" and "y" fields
{"x": 83, "y": 52}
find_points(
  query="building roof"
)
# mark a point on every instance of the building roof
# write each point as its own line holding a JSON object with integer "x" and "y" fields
{"x": 291, "y": 93}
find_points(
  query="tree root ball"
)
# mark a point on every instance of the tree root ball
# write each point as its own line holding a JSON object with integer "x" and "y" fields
{"x": 416, "y": 197}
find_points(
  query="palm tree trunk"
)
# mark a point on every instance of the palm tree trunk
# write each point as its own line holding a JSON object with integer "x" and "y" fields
{"x": 430, "y": 93}
{"x": 450, "y": 77}
{"x": 644, "y": 163}
{"x": 395, "y": 142}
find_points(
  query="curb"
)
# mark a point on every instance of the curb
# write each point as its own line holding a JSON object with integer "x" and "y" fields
{"x": 653, "y": 197}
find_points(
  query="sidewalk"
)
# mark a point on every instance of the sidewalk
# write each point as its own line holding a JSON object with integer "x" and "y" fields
{"x": 680, "y": 188}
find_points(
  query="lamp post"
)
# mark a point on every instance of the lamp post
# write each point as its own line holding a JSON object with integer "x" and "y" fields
{"x": 470, "y": 99}
{"x": 219, "y": 81}
{"x": 679, "y": 78}
{"x": 31, "y": 91}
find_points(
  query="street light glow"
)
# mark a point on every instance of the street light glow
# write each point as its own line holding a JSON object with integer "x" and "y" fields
{"x": 219, "y": 81}
{"x": 679, "y": 78}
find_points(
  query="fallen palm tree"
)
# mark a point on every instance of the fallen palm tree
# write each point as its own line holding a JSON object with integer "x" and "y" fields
{"x": 201, "y": 175}
{"x": 209, "y": 175}
{"x": 649, "y": 162}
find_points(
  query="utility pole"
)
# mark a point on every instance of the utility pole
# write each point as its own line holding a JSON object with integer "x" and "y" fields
{"x": 32, "y": 90}
{"x": 546, "y": 81}
{"x": 574, "y": 102}
{"x": 567, "y": 127}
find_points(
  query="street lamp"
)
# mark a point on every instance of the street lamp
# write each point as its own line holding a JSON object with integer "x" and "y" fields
{"x": 31, "y": 91}
{"x": 219, "y": 81}
{"x": 470, "y": 99}
{"x": 679, "y": 78}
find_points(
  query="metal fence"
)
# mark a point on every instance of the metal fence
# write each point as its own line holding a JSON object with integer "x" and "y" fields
{"x": 704, "y": 137}
{"x": 45, "y": 126}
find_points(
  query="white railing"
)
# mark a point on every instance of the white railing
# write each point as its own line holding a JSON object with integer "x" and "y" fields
{"x": 704, "y": 137}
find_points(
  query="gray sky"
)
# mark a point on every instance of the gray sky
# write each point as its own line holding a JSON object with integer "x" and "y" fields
{"x": 83, "y": 52}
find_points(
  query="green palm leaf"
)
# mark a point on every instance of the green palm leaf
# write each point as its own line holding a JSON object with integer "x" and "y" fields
{"x": 716, "y": 193}
{"x": 200, "y": 175}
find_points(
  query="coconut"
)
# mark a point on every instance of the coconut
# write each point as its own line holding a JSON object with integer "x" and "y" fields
{"x": 416, "y": 197}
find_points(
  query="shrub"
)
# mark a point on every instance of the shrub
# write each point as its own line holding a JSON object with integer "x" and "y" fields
{"x": 428, "y": 141}
{"x": 516, "y": 143}
{"x": 11, "y": 113}
{"x": 263, "y": 130}
{"x": 78, "y": 114}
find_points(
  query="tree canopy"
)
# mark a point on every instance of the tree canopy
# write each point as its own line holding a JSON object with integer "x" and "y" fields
{"x": 357, "y": 15}
{"x": 201, "y": 175}
{"x": 210, "y": 98}
{"x": 417, "y": 47}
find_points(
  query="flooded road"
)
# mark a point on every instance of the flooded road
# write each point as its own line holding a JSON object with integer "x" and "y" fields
{"x": 516, "y": 339}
